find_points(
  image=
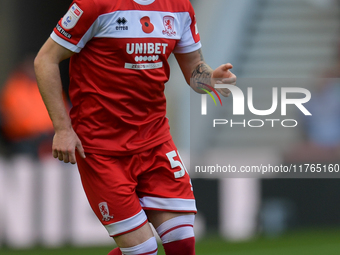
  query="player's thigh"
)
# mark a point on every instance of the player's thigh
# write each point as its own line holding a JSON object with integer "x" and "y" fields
{"x": 135, "y": 237}
{"x": 165, "y": 185}
{"x": 159, "y": 217}
{"x": 110, "y": 189}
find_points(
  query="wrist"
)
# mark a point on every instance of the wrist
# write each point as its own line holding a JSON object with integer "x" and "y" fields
{"x": 62, "y": 126}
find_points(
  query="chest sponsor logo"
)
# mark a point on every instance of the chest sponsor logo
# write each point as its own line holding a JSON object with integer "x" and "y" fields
{"x": 121, "y": 24}
{"x": 146, "y": 48}
{"x": 144, "y": 66}
{"x": 71, "y": 17}
{"x": 169, "y": 26}
{"x": 145, "y": 52}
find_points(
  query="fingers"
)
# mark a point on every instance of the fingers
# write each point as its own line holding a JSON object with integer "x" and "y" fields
{"x": 223, "y": 71}
{"x": 224, "y": 92}
{"x": 68, "y": 156}
{"x": 65, "y": 144}
{"x": 231, "y": 80}
{"x": 55, "y": 153}
{"x": 80, "y": 150}
{"x": 224, "y": 76}
{"x": 227, "y": 66}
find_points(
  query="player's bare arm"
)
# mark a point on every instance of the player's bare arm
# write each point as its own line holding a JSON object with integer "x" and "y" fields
{"x": 194, "y": 69}
{"x": 49, "y": 82}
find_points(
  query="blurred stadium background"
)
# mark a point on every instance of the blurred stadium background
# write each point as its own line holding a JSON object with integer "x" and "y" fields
{"x": 42, "y": 205}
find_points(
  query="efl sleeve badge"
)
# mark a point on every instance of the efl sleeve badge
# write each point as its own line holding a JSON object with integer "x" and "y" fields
{"x": 71, "y": 17}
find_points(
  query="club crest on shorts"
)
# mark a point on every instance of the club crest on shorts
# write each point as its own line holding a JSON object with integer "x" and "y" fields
{"x": 104, "y": 210}
{"x": 169, "y": 25}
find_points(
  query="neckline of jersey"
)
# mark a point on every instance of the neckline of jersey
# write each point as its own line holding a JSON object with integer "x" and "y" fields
{"x": 144, "y": 2}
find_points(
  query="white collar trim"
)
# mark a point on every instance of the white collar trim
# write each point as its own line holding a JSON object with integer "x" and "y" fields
{"x": 144, "y": 2}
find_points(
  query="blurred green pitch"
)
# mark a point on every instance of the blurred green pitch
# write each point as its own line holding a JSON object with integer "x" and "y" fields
{"x": 313, "y": 242}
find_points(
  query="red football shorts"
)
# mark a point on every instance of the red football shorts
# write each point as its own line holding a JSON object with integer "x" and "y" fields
{"x": 119, "y": 188}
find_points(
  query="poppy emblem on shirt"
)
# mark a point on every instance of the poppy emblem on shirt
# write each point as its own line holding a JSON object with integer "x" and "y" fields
{"x": 169, "y": 26}
{"x": 147, "y": 26}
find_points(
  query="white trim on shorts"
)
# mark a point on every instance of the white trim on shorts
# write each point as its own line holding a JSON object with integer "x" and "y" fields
{"x": 168, "y": 204}
{"x": 126, "y": 225}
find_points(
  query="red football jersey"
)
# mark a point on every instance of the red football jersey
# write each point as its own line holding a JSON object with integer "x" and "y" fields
{"x": 117, "y": 76}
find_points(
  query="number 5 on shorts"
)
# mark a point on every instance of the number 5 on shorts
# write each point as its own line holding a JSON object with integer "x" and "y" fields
{"x": 175, "y": 163}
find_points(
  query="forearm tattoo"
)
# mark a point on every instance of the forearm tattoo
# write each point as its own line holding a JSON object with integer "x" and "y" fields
{"x": 201, "y": 75}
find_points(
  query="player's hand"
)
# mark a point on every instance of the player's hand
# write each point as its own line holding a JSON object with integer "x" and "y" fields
{"x": 65, "y": 143}
{"x": 224, "y": 76}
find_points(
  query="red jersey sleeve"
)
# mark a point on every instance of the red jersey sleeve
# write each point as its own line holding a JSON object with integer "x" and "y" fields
{"x": 190, "y": 40}
{"x": 76, "y": 28}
